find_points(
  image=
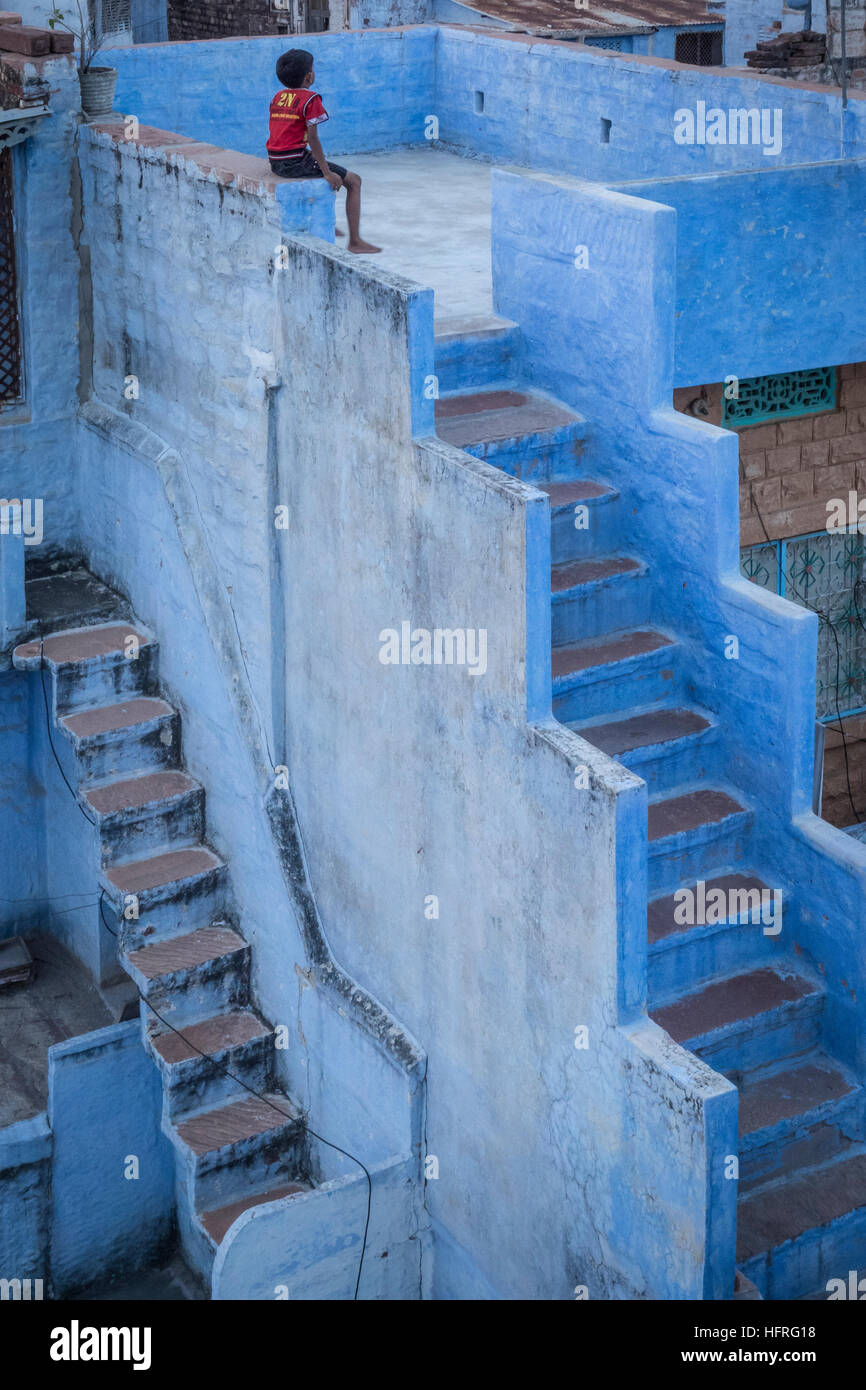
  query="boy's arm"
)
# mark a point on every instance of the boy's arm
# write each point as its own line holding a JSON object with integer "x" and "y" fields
{"x": 318, "y": 154}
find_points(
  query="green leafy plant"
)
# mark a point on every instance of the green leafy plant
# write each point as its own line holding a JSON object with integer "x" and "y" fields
{"x": 89, "y": 38}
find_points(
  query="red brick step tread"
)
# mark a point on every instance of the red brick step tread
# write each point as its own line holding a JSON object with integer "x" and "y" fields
{"x": 487, "y": 416}
{"x": 450, "y": 406}
{"x": 135, "y": 792}
{"x": 788, "y": 1093}
{"x": 104, "y": 719}
{"x": 185, "y": 952}
{"x": 211, "y": 1036}
{"x": 676, "y": 814}
{"x": 231, "y": 1124}
{"x": 582, "y": 656}
{"x": 218, "y": 1221}
{"x": 660, "y": 912}
{"x": 86, "y": 645}
{"x": 730, "y": 1001}
{"x": 775, "y": 1215}
{"x": 574, "y": 572}
{"x": 643, "y": 730}
{"x": 177, "y": 864}
{"x": 564, "y": 494}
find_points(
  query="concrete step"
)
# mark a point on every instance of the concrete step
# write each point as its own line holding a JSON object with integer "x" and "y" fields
{"x": 584, "y": 519}
{"x": 795, "y": 1236}
{"x": 193, "y": 975}
{"x": 176, "y": 893}
{"x": 64, "y": 594}
{"x": 216, "y": 1223}
{"x": 249, "y": 1144}
{"x": 137, "y": 815}
{"x": 92, "y": 665}
{"x": 692, "y": 834}
{"x": 626, "y": 669}
{"x": 479, "y": 348}
{"x": 747, "y": 1021}
{"x": 527, "y": 435}
{"x": 796, "y": 1118}
{"x": 136, "y": 735}
{"x": 202, "y": 1066}
{"x": 593, "y": 597}
{"x": 668, "y": 746}
{"x": 689, "y": 942}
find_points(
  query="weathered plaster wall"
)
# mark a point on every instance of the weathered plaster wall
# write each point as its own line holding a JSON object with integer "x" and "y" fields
{"x": 21, "y": 811}
{"x": 183, "y": 521}
{"x": 765, "y": 262}
{"x": 34, "y": 436}
{"x": 439, "y": 787}
{"x": 25, "y": 1176}
{"x": 105, "y": 1111}
{"x": 322, "y": 1260}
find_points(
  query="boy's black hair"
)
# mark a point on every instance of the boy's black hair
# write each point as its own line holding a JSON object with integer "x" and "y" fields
{"x": 293, "y": 66}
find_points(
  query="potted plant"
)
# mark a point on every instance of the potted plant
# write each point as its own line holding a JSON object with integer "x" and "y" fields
{"x": 97, "y": 83}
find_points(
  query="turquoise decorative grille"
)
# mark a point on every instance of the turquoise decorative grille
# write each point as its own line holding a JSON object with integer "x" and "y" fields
{"x": 760, "y": 563}
{"x": 826, "y": 573}
{"x": 781, "y": 397}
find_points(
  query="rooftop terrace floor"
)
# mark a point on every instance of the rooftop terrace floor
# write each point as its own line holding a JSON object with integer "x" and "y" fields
{"x": 430, "y": 213}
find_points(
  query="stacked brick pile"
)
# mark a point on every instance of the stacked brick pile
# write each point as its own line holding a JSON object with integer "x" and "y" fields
{"x": 787, "y": 53}
{"x": 16, "y": 37}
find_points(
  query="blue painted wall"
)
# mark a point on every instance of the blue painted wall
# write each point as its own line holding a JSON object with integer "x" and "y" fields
{"x": 105, "y": 1105}
{"x": 544, "y": 101}
{"x": 21, "y": 811}
{"x": 377, "y": 88}
{"x": 765, "y": 265}
{"x": 678, "y": 477}
{"x": 25, "y": 1184}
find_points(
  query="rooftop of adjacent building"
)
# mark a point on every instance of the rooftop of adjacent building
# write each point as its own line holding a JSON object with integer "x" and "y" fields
{"x": 631, "y": 17}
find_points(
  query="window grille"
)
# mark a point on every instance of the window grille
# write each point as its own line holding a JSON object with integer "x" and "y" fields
{"x": 781, "y": 397}
{"x": 10, "y": 320}
{"x": 825, "y": 572}
{"x": 623, "y": 44}
{"x": 111, "y": 16}
{"x": 701, "y": 48}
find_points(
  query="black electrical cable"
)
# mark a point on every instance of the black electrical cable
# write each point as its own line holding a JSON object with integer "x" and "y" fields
{"x": 72, "y": 793}
{"x": 223, "y": 1067}
{"x": 322, "y": 1140}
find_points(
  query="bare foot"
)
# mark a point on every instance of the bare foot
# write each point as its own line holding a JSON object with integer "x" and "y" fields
{"x": 339, "y": 231}
{"x": 363, "y": 248}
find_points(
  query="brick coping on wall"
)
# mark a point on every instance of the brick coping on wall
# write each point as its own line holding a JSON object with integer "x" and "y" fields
{"x": 242, "y": 171}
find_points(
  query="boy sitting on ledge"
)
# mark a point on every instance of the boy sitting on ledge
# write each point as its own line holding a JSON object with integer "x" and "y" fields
{"x": 294, "y": 148}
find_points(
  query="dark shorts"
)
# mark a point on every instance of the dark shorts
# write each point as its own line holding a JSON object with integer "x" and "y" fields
{"x": 303, "y": 167}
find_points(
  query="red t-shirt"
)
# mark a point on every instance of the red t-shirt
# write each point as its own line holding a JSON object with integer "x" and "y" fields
{"x": 292, "y": 110}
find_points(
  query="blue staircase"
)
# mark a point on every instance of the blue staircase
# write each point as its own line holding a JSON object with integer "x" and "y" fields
{"x": 723, "y": 987}
{"x": 238, "y": 1139}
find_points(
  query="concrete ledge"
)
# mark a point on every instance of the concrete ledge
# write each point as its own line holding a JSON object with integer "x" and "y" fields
{"x": 26, "y": 1142}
